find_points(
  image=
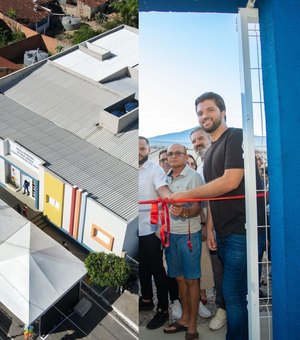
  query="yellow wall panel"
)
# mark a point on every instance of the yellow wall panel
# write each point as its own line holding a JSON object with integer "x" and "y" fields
{"x": 53, "y": 199}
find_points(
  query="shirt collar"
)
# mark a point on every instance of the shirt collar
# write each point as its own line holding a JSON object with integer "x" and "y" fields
{"x": 184, "y": 171}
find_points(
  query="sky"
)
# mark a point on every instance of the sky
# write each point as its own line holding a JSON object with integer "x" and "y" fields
{"x": 183, "y": 55}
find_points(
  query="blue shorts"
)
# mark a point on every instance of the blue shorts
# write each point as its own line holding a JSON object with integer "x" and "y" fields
{"x": 180, "y": 259}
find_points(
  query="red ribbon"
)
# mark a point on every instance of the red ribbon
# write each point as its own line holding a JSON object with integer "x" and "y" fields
{"x": 165, "y": 224}
{"x": 154, "y": 213}
{"x": 165, "y": 215}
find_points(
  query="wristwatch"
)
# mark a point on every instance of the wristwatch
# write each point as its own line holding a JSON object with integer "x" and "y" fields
{"x": 185, "y": 213}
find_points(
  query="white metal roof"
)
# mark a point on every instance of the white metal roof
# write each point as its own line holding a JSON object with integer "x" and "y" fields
{"x": 111, "y": 182}
{"x": 75, "y": 103}
{"x": 123, "y": 45}
{"x": 53, "y": 108}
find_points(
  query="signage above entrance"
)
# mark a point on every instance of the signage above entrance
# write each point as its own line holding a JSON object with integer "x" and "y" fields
{"x": 25, "y": 156}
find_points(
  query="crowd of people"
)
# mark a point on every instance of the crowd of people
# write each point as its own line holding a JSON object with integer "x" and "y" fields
{"x": 207, "y": 238}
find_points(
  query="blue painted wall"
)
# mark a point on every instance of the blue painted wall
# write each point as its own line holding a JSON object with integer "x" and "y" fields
{"x": 280, "y": 33}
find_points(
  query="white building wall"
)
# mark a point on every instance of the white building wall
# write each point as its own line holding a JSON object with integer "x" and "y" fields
{"x": 131, "y": 241}
{"x": 106, "y": 220}
{"x": 67, "y": 207}
{"x": 41, "y": 188}
{"x": 2, "y": 170}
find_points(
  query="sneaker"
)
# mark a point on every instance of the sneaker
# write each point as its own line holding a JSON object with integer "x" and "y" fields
{"x": 219, "y": 320}
{"x": 176, "y": 310}
{"x": 203, "y": 311}
{"x": 160, "y": 318}
{"x": 143, "y": 306}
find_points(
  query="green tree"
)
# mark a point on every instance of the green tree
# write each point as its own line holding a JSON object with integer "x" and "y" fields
{"x": 85, "y": 32}
{"x": 129, "y": 11}
{"x": 107, "y": 269}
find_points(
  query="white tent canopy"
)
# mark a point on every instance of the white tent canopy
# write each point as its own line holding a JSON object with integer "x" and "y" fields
{"x": 35, "y": 270}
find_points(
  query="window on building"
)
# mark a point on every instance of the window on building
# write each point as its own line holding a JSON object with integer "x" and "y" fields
{"x": 52, "y": 201}
{"x": 102, "y": 237}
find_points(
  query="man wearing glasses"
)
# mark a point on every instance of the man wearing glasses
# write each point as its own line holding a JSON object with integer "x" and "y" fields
{"x": 176, "y": 310}
{"x": 163, "y": 160}
{"x": 183, "y": 254}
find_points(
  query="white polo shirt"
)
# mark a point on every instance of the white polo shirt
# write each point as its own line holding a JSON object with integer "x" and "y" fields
{"x": 151, "y": 178}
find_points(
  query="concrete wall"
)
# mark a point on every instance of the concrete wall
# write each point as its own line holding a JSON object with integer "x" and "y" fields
{"x": 2, "y": 163}
{"x": 53, "y": 190}
{"x": 131, "y": 242}
{"x": 49, "y": 43}
{"x": 15, "y": 52}
{"x": 67, "y": 207}
{"x": 103, "y": 218}
{"x": 16, "y": 26}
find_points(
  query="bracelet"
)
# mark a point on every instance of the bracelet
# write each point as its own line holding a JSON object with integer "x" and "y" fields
{"x": 185, "y": 213}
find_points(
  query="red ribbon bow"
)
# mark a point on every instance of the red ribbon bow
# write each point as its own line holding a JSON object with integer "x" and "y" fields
{"x": 164, "y": 219}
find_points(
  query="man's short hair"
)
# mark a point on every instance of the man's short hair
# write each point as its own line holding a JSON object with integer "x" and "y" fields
{"x": 219, "y": 101}
{"x": 198, "y": 128}
{"x": 145, "y": 139}
{"x": 162, "y": 151}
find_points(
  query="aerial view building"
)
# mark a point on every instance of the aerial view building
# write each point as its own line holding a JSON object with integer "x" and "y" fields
{"x": 69, "y": 129}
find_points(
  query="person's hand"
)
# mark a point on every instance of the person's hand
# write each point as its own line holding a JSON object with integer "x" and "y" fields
{"x": 176, "y": 209}
{"x": 176, "y": 196}
{"x": 211, "y": 241}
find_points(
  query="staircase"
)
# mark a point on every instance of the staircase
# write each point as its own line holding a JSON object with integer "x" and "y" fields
{"x": 39, "y": 221}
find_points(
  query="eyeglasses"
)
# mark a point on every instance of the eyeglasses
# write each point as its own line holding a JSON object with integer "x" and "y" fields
{"x": 176, "y": 153}
{"x": 163, "y": 160}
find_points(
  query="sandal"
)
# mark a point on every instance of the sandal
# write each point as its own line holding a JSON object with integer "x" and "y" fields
{"x": 176, "y": 328}
{"x": 191, "y": 336}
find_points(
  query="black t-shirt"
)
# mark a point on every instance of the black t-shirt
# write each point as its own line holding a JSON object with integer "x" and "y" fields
{"x": 229, "y": 216}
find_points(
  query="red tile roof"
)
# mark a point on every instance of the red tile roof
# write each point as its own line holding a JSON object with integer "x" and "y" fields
{"x": 25, "y": 10}
{"x": 94, "y": 3}
{"x": 9, "y": 64}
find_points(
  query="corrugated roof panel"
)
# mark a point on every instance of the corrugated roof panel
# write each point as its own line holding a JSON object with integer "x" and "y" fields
{"x": 76, "y": 111}
{"x": 68, "y": 156}
{"x": 64, "y": 106}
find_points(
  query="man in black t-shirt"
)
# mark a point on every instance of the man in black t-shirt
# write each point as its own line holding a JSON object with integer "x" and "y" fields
{"x": 224, "y": 175}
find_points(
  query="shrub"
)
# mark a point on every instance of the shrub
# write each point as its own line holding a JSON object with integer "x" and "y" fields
{"x": 11, "y": 13}
{"x": 4, "y": 37}
{"x": 107, "y": 269}
{"x": 112, "y": 23}
{"x": 18, "y": 35}
{"x": 84, "y": 33}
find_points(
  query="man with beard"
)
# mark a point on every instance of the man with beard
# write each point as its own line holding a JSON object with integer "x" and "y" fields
{"x": 224, "y": 176}
{"x": 201, "y": 142}
{"x": 152, "y": 184}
